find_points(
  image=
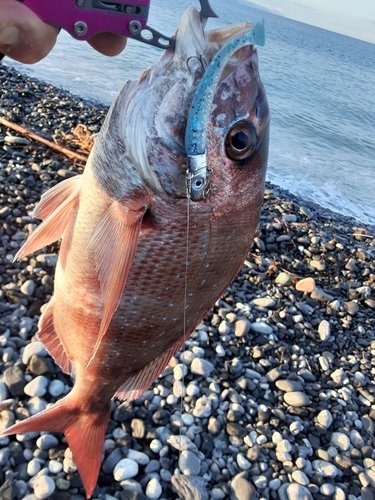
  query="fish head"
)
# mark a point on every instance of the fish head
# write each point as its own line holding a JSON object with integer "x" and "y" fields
{"x": 148, "y": 121}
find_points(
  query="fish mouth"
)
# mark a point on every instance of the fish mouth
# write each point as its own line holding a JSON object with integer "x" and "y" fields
{"x": 195, "y": 47}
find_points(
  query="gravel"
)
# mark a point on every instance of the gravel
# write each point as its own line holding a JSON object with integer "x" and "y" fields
{"x": 277, "y": 381}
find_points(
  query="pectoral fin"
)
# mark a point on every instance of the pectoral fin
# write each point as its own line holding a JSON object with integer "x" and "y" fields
{"x": 56, "y": 208}
{"x": 114, "y": 243}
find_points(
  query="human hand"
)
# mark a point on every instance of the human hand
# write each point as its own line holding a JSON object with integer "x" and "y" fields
{"x": 27, "y": 39}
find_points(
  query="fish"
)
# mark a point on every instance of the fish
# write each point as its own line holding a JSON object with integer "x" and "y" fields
{"x": 141, "y": 260}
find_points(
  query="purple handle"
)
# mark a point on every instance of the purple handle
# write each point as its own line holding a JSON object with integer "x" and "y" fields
{"x": 88, "y": 20}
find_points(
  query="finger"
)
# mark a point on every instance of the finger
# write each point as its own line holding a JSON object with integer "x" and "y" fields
{"x": 23, "y": 36}
{"x": 108, "y": 43}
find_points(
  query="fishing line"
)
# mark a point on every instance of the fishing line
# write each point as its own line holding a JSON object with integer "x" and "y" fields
{"x": 188, "y": 191}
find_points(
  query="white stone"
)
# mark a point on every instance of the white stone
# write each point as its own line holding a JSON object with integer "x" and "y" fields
{"x": 283, "y": 446}
{"x": 324, "y": 468}
{"x": 49, "y": 259}
{"x": 242, "y": 462}
{"x": 139, "y": 457}
{"x": 324, "y": 330}
{"x": 201, "y": 367}
{"x": 324, "y": 418}
{"x": 125, "y": 469}
{"x": 37, "y": 386}
{"x": 153, "y": 489}
{"x": 340, "y": 440}
{"x": 54, "y": 466}
{"x": 56, "y": 388}
{"x": 266, "y": 302}
{"x": 31, "y": 349}
{"x": 261, "y": 327}
{"x": 36, "y": 405}
{"x": 28, "y": 287}
{"x": 180, "y": 371}
{"x": 156, "y": 445}
{"x": 44, "y": 486}
{"x": 300, "y": 477}
{"x": 33, "y": 467}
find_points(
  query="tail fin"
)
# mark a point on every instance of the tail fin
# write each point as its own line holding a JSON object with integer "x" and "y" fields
{"x": 85, "y": 433}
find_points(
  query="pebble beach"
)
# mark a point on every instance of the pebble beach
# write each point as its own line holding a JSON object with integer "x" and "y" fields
{"x": 273, "y": 395}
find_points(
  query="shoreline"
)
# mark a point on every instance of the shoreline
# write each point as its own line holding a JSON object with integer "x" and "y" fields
{"x": 285, "y": 407}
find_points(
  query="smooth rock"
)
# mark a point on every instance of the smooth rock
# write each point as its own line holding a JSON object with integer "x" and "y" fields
{"x": 324, "y": 418}
{"x": 324, "y": 330}
{"x": 201, "y": 367}
{"x": 261, "y": 327}
{"x": 325, "y": 469}
{"x": 284, "y": 279}
{"x": 202, "y": 407}
{"x": 125, "y": 469}
{"x": 49, "y": 259}
{"x": 37, "y": 386}
{"x": 242, "y": 489}
{"x": 153, "y": 489}
{"x": 34, "y": 348}
{"x": 46, "y": 442}
{"x": 287, "y": 385}
{"x": 138, "y": 456}
{"x": 297, "y": 398}
{"x": 267, "y": 302}
{"x": 44, "y": 486}
{"x": 241, "y": 327}
{"x": 28, "y": 287}
{"x": 189, "y": 464}
{"x": 340, "y": 441}
{"x": 305, "y": 285}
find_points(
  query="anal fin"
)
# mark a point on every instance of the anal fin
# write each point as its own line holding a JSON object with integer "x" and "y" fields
{"x": 48, "y": 336}
{"x": 55, "y": 207}
{"x": 114, "y": 243}
{"x": 141, "y": 381}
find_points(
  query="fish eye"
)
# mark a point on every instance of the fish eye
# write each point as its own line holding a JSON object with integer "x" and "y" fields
{"x": 241, "y": 140}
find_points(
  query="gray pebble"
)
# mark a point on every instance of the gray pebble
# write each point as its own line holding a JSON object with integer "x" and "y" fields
{"x": 202, "y": 407}
{"x": 153, "y": 489}
{"x": 287, "y": 385}
{"x": 46, "y": 442}
{"x": 49, "y": 259}
{"x": 241, "y": 327}
{"x": 324, "y": 468}
{"x": 125, "y": 469}
{"x": 297, "y": 399}
{"x": 44, "y": 486}
{"x": 189, "y": 463}
{"x": 242, "y": 489}
{"x": 201, "y": 367}
{"x": 37, "y": 386}
{"x": 324, "y": 419}
{"x": 261, "y": 327}
{"x": 267, "y": 302}
{"x": 28, "y": 287}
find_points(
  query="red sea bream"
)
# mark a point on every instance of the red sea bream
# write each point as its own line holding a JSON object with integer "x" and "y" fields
{"x": 126, "y": 295}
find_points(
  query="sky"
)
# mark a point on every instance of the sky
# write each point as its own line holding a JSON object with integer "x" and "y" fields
{"x": 355, "y": 18}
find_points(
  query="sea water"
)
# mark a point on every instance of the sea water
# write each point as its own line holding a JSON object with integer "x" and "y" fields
{"x": 320, "y": 86}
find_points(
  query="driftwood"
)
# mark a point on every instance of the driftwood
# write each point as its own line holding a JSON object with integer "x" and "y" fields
{"x": 35, "y": 137}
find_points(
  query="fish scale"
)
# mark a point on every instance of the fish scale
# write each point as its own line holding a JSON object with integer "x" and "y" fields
{"x": 125, "y": 299}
